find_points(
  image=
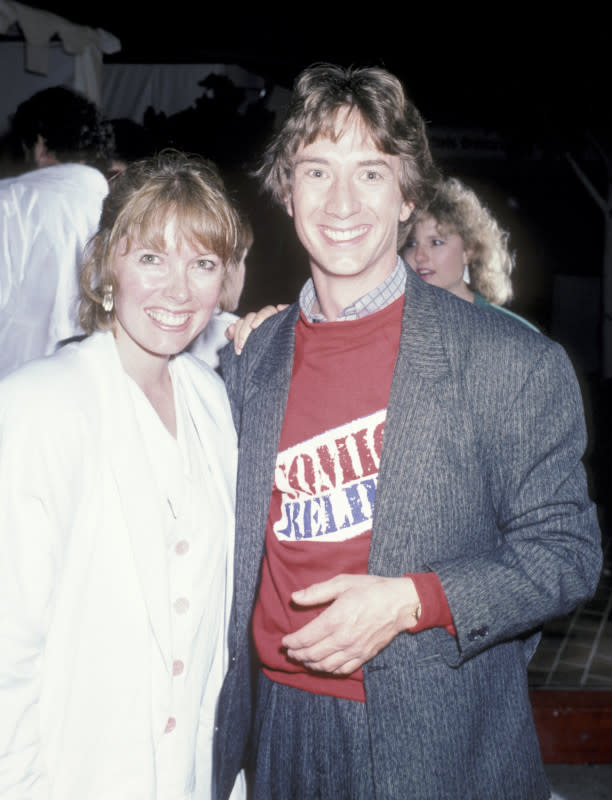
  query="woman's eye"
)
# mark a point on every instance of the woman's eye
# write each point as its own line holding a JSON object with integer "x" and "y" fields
{"x": 409, "y": 244}
{"x": 206, "y": 264}
{"x": 149, "y": 258}
{"x": 372, "y": 175}
{"x": 437, "y": 242}
{"x": 316, "y": 173}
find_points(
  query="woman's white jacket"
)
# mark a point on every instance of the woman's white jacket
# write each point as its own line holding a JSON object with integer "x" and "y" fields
{"x": 84, "y": 605}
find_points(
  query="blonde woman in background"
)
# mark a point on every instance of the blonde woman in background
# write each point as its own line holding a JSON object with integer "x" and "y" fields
{"x": 457, "y": 245}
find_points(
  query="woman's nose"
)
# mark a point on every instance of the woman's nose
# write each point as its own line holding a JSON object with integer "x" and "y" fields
{"x": 177, "y": 287}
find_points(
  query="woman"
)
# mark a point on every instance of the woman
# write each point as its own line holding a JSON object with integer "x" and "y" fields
{"x": 117, "y": 464}
{"x": 457, "y": 245}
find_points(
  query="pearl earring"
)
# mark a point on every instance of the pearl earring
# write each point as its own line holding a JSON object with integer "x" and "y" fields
{"x": 107, "y": 300}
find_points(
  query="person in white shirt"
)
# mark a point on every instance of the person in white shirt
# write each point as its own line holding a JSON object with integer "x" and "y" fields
{"x": 214, "y": 337}
{"x": 47, "y": 216}
{"x": 117, "y": 478}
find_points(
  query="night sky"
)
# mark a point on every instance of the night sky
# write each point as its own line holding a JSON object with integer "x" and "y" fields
{"x": 540, "y": 81}
{"x": 500, "y": 67}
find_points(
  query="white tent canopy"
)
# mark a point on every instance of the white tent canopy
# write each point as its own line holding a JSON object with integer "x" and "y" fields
{"x": 129, "y": 89}
{"x": 50, "y": 51}
{"x": 72, "y": 59}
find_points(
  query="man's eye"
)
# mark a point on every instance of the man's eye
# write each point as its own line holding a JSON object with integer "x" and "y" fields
{"x": 410, "y": 244}
{"x": 316, "y": 173}
{"x": 437, "y": 242}
{"x": 371, "y": 175}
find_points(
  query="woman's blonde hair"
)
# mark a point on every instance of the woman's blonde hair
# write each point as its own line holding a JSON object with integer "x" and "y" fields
{"x": 457, "y": 209}
{"x": 150, "y": 193}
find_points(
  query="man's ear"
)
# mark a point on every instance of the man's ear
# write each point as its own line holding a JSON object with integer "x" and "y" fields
{"x": 288, "y": 201}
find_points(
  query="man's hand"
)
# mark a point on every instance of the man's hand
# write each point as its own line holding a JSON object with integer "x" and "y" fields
{"x": 365, "y": 614}
{"x": 240, "y": 330}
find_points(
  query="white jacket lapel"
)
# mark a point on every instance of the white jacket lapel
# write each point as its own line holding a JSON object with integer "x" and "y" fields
{"x": 135, "y": 487}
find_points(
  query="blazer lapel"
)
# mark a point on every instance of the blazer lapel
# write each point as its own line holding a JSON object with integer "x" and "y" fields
{"x": 412, "y": 425}
{"x": 262, "y": 415}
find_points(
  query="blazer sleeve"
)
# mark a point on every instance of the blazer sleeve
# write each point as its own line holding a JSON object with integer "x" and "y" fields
{"x": 548, "y": 556}
{"x": 41, "y": 468}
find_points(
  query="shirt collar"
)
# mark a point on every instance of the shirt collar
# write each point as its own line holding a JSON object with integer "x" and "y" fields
{"x": 375, "y": 300}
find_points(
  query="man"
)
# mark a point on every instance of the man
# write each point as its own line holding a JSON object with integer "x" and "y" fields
{"x": 47, "y": 215}
{"x": 392, "y": 588}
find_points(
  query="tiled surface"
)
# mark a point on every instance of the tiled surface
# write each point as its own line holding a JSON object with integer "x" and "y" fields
{"x": 576, "y": 651}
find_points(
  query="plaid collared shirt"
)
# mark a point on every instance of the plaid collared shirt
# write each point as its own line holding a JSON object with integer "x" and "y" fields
{"x": 380, "y": 297}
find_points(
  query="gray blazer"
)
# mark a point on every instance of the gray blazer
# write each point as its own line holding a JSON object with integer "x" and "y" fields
{"x": 481, "y": 481}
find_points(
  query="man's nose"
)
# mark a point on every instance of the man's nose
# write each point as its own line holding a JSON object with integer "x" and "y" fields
{"x": 342, "y": 199}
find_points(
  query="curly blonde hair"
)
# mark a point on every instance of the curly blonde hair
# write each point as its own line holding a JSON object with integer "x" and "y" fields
{"x": 457, "y": 209}
{"x": 171, "y": 185}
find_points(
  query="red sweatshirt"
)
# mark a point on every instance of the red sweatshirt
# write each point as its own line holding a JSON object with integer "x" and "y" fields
{"x": 322, "y": 504}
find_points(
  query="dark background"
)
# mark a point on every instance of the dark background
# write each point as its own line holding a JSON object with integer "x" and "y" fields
{"x": 536, "y": 81}
{"x": 503, "y": 66}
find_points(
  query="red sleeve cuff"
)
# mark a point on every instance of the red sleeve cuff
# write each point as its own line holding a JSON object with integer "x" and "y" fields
{"x": 435, "y": 611}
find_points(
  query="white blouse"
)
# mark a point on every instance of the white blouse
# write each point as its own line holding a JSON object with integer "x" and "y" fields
{"x": 196, "y": 573}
